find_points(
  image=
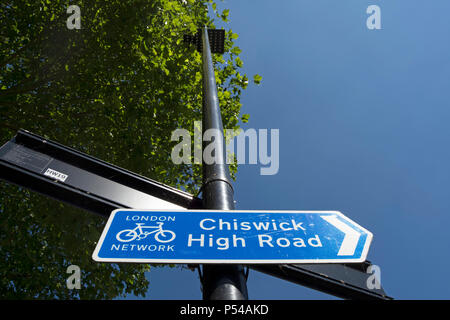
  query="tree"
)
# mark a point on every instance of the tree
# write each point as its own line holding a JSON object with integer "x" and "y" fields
{"x": 115, "y": 89}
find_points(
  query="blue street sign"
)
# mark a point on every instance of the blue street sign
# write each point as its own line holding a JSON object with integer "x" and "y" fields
{"x": 212, "y": 236}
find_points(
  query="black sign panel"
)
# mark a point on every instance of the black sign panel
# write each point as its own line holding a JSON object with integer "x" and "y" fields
{"x": 348, "y": 281}
{"x": 71, "y": 176}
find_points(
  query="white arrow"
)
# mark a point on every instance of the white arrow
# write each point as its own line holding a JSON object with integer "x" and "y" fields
{"x": 351, "y": 237}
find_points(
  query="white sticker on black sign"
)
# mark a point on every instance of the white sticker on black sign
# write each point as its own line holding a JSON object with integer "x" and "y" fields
{"x": 55, "y": 175}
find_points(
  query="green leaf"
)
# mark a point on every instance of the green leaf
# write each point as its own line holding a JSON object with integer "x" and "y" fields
{"x": 239, "y": 62}
{"x": 225, "y": 14}
{"x": 257, "y": 79}
{"x": 236, "y": 50}
{"x": 233, "y": 35}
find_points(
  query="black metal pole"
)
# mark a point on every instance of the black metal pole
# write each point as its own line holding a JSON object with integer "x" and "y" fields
{"x": 220, "y": 282}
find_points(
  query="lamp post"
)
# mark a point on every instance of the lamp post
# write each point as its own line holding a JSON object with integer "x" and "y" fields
{"x": 226, "y": 281}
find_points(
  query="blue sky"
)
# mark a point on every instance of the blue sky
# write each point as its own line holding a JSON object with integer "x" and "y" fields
{"x": 363, "y": 118}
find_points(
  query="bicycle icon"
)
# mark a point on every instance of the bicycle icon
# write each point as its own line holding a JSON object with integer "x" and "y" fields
{"x": 138, "y": 233}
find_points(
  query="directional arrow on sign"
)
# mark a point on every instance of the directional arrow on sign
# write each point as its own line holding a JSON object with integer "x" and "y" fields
{"x": 351, "y": 237}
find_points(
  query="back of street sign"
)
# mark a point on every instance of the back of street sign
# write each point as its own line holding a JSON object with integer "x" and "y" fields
{"x": 68, "y": 175}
